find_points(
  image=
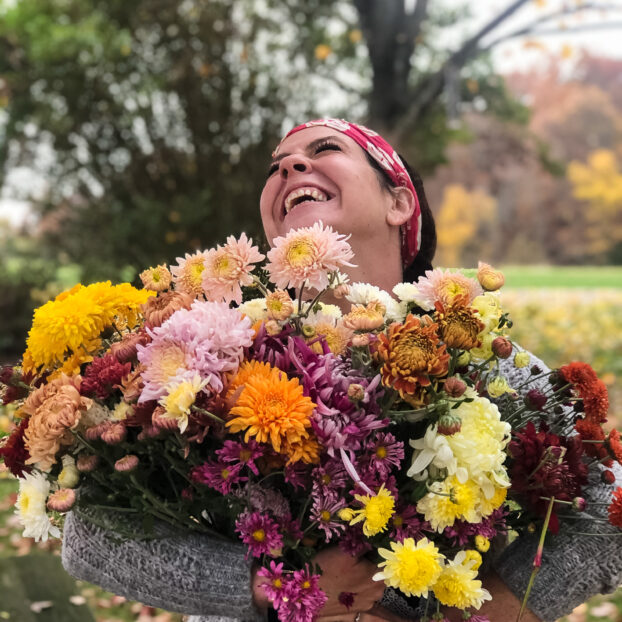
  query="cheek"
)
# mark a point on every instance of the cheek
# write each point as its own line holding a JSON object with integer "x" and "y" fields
{"x": 265, "y": 210}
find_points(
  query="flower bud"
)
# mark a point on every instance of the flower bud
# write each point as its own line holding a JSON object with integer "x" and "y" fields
{"x": 62, "y": 500}
{"x": 498, "y": 386}
{"x": 114, "y": 434}
{"x": 69, "y": 476}
{"x": 535, "y": 400}
{"x": 579, "y": 504}
{"x": 347, "y": 514}
{"x": 489, "y": 278}
{"x": 360, "y": 341}
{"x": 127, "y": 463}
{"x": 449, "y": 424}
{"x": 501, "y": 347}
{"x": 86, "y": 463}
{"x": 578, "y": 406}
{"x": 535, "y": 370}
{"x": 187, "y": 494}
{"x": 94, "y": 433}
{"x": 464, "y": 359}
{"x": 607, "y": 477}
{"x": 342, "y": 290}
{"x": 356, "y": 392}
{"x": 455, "y": 387}
{"x": 482, "y": 544}
{"x": 308, "y": 331}
{"x": 521, "y": 359}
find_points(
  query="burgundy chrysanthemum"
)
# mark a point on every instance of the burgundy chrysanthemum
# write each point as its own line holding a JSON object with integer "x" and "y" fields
{"x": 103, "y": 375}
{"x": 407, "y": 523}
{"x": 14, "y": 452}
{"x": 537, "y": 472}
{"x": 353, "y": 542}
{"x": 462, "y": 532}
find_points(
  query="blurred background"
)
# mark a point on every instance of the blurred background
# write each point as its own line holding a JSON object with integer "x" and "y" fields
{"x": 133, "y": 131}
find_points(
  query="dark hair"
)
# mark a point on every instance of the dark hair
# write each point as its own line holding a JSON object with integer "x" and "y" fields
{"x": 423, "y": 260}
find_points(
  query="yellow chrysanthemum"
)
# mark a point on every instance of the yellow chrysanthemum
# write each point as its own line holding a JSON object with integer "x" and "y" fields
{"x": 488, "y": 506}
{"x": 472, "y": 558}
{"x": 336, "y": 336}
{"x": 499, "y": 386}
{"x": 409, "y": 567}
{"x": 376, "y": 511}
{"x": 448, "y": 501}
{"x": 458, "y": 587}
{"x": 489, "y": 309}
{"x": 272, "y": 409}
{"x": 482, "y": 543}
{"x": 521, "y": 359}
{"x": 179, "y": 400}
{"x": 65, "y": 331}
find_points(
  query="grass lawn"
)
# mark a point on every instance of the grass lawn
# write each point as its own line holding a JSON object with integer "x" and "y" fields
{"x": 586, "y": 277}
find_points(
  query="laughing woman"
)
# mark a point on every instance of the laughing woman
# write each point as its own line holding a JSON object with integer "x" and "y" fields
{"x": 349, "y": 178}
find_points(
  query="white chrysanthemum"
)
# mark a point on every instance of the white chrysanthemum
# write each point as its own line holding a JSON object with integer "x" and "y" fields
{"x": 408, "y": 292}
{"x": 364, "y": 293}
{"x": 330, "y": 310}
{"x": 480, "y": 443}
{"x": 433, "y": 450}
{"x": 95, "y": 415}
{"x": 254, "y": 309}
{"x": 33, "y": 493}
{"x": 179, "y": 400}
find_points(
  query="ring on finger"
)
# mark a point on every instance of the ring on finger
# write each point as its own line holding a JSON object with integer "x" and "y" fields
{"x": 357, "y": 617}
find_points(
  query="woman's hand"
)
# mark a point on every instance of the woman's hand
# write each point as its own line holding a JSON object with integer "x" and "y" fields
{"x": 340, "y": 573}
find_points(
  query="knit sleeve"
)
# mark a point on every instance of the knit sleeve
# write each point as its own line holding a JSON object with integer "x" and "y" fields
{"x": 176, "y": 570}
{"x": 574, "y": 566}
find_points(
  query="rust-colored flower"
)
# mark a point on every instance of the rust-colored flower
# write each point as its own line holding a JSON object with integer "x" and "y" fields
{"x": 368, "y": 317}
{"x": 125, "y": 350}
{"x": 592, "y": 431}
{"x": 158, "y": 309}
{"x": 412, "y": 354}
{"x": 132, "y": 384}
{"x": 615, "y": 445}
{"x": 455, "y": 387}
{"x": 457, "y": 324}
{"x": 55, "y": 409}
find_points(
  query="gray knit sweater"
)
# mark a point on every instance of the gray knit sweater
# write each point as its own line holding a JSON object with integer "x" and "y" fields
{"x": 210, "y": 579}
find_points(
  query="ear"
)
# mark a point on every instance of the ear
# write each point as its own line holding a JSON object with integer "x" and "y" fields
{"x": 402, "y": 207}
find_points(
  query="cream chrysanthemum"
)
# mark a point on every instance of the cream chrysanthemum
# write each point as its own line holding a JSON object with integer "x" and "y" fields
{"x": 411, "y": 568}
{"x": 157, "y": 279}
{"x": 30, "y": 507}
{"x": 458, "y": 586}
{"x": 179, "y": 399}
{"x": 254, "y": 309}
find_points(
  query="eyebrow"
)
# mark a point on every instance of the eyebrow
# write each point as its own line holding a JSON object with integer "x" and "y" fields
{"x": 311, "y": 146}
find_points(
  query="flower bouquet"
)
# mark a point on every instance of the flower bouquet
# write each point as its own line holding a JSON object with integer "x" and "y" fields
{"x": 227, "y": 396}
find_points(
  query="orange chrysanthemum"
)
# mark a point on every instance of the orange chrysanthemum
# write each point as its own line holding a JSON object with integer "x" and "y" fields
{"x": 247, "y": 370}
{"x": 306, "y": 450}
{"x": 411, "y": 353}
{"x": 457, "y": 324}
{"x": 595, "y": 401}
{"x": 272, "y": 409}
{"x": 578, "y": 373}
{"x": 592, "y": 431}
{"x": 615, "y": 509}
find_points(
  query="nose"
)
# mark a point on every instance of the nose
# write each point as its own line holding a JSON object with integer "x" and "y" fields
{"x": 294, "y": 163}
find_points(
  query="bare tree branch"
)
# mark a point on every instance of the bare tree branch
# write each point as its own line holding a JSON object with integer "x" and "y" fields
{"x": 433, "y": 85}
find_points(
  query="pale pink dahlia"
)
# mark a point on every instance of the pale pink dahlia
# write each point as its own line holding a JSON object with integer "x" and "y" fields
{"x": 445, "y": 286}
{"x": 208, "y": 339}
{"x": 229, "y": 267}
{"x": 308, "y": 254}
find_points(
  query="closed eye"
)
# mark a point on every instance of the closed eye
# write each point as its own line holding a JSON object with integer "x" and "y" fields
{"x": 327, "y": 145}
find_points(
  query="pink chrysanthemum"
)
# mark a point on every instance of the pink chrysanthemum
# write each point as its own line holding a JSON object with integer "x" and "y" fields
{"x": 324, "y": 512}
{"x": 188, "y": 274}
{"x": 303, "y": 598}
{"x": 260, "y": 533}
{"x": 242, "y": 453}
{"x": 207, "y": 339}
{"x": 228, "y": 267}
{"x": 443, "y": 286}
{"x": 385, "y": 453}
{"x": 307, "y": 255}
{"x": 274, "y": 587}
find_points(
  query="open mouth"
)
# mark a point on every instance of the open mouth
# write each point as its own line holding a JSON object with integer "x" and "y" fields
{"x": 307, "y": 194}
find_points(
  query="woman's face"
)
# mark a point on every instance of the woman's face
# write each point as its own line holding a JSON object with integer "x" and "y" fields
{"x": 321, "y": 174}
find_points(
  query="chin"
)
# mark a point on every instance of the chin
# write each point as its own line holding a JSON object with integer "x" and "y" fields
{"x": 308, "y": 218}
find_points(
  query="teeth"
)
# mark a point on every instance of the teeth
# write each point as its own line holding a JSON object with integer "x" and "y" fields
{"x": 314, "y": 193}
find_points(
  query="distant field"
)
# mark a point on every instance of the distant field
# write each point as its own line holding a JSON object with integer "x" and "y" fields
{"x": 563, "y": 276}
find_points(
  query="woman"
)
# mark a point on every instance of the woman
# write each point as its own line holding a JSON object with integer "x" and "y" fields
{"x": 350, "y": 178}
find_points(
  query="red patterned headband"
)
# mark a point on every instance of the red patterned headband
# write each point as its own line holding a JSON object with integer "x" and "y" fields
{"x": 380, "y": 150}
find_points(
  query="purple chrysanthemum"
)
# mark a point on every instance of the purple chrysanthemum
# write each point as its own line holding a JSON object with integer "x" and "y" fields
{"x": 259, "y": 532}
{"x": 265, "y": 499}
{"x": 273, "y": 348}
{"x": 329, "y": 477}
{"x": 242, "y": 453}
{"x": 353, "y": 542}
{"x": 218, "y": 475}
{"x": 461, "y": 532}
{"x": 384, "y": 453}
{"x": 297, "y": 474}
{"x": 274, "y": 587}
{"x": 324, "y": 511}
{"x": 302, "y": 599}
{"x": 407, "y": 523}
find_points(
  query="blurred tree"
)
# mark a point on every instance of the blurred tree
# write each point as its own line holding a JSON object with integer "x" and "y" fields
{"x": 461, "y": 215}
{"x": 599, "y": 182}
